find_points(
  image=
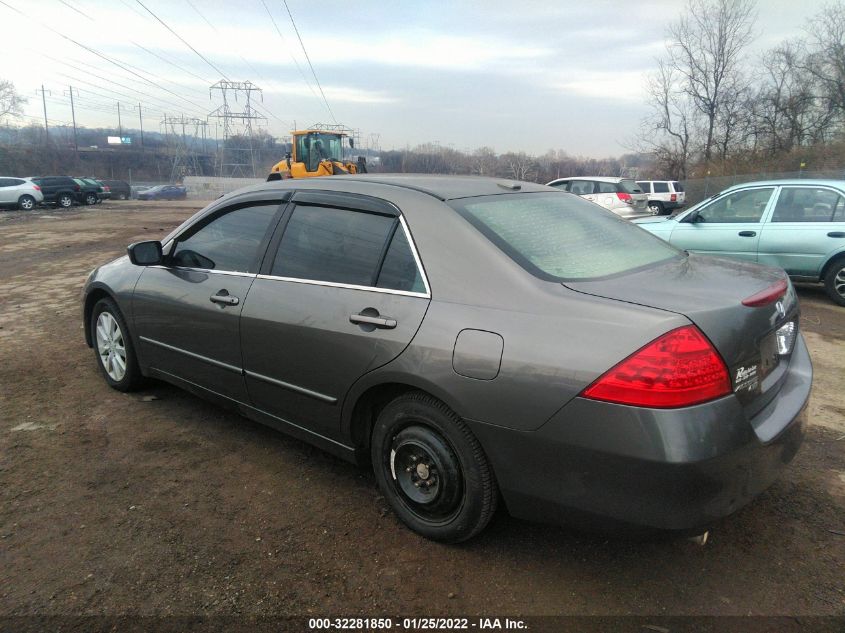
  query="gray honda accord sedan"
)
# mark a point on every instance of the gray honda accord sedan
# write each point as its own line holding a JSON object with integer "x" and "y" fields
{"x": 475, "y": 341}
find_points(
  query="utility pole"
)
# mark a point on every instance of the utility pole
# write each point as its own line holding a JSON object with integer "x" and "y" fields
{"x": 119, "y": 124}
{"x": 73, "y": 115}
{"x": 141, "y": 122}
{"x": 44, "y": 103}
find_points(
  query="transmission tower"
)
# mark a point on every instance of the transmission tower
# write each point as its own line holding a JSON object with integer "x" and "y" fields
{"x": 184, "y": 145}
{"x": 237, "y": 155}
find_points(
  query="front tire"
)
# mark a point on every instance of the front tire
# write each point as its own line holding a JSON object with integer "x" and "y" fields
{"x": 432, "y": 470}
{"x": 65, "y": 201}
{"x": 834, "y": 282}
{"x": 113, "y": 347}
{"x": 26, "y": 203}
{"x": 90, "y": 199}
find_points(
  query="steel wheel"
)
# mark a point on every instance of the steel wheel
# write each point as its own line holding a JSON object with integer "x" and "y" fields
{"x": 111, "y": 346}
{"x": 426, "y": 473}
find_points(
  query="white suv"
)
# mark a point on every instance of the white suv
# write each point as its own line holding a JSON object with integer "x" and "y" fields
{"x": 664, "y": 196}
{"x": 20, "y": 193}
{"x": 623, "y": 196}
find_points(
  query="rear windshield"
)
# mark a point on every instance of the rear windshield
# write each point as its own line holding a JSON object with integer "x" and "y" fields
{"x": 562, "y": 237}
{"x": 629, "y": 186}
{"x": 678, "y": 186}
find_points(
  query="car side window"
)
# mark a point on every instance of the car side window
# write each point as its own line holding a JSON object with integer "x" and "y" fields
{"x": 6, "y": 182}
{"x": 334, "y": 245}
{"x": 229, "y": 242}
{"x": 581, "y": 187}
{"x": 607, "y": 187}
{"x": 645, "y": 186}
{"x": 742, "y": 206}
{"x": 399, "y": 270}
{"x": 661, "y": 187}
{"x": 806, "y": 204}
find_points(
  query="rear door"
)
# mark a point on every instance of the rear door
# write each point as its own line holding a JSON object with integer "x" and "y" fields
{"x": 8, "y": 190}
{"x": 730, "y": 225}
{"x": 341, "y": 292}
{"x": 187, "y": 312}
{"x": 802, "y": 232}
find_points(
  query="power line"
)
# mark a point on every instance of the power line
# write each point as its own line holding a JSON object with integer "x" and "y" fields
{"x": 97, "y": 53}
{"x": 313, "y": 72}
{"x": 183, "y": 40}
{"x": 285, "y": 44}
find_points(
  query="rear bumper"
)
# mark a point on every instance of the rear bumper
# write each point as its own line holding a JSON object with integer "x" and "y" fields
{"x": 600, "y": 464}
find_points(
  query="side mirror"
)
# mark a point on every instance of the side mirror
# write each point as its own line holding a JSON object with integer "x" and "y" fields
{"x": 145, "y": 253}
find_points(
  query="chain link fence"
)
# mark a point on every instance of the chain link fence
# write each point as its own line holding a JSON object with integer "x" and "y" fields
{"x": 700, "y": 188}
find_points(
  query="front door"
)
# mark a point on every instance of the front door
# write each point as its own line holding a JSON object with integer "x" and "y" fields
{"x": 187, "y": 312}
{"x": 342, "y": 292}
{"x": 730, "y": 225}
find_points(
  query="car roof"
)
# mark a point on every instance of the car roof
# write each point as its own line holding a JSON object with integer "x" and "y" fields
{"x": 440, "y": 187}
{"x": 830, "y": 182}
{"x": 598, "y": 178}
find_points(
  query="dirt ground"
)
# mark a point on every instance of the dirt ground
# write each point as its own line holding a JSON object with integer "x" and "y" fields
{"x": 113, "y": 503}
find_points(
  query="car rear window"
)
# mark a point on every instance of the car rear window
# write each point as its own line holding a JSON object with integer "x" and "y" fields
{"x": 562, "y": 237}
{"x": 629, "y": 186}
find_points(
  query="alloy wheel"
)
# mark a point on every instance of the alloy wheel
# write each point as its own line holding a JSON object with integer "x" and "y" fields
{"x": 839, "y": 282}
{"x": 111, "y": 347}
{"x": 27, "y": 203}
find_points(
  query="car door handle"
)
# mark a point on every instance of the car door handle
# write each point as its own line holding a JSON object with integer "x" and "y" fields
{"x": 382, "y": 322}
{"x": 836, "y": 234}
{"x": 224, "y": 298}
{"x": 747, "y": 233}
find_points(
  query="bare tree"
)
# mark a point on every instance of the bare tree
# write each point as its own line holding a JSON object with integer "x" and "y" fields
{"x": 826, "y": 59}
{"x": 706, "y": 51}
{"x": 11, "y": 103}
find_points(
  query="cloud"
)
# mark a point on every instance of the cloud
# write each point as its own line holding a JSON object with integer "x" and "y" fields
{"x": 610, "y": 85}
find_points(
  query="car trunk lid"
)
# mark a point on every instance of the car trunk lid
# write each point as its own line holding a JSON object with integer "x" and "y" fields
{"x": 709, "y": 291}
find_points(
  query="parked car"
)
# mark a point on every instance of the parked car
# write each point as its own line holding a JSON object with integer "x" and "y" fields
{"x": 623, "y": 196}
{"x": 466, "y": 337}
{"x": 61, "y": 191}
{"x": 20, "y": 193}
{"x": 105, "y": 190}
{"x": 89, "y": 191}
{"x": 664, "y": 196}
{"x": 797, "y": 225}
{"x": 164, "y": 192}
{"x": 120, "y": 189}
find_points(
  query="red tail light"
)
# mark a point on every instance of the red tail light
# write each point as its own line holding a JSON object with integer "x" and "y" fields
{"x": 106, "y": 188}
{"x": 679, "y": 369}
{"x": 767, "y": 296}
{"x": 625, "y": 197}
{"x": 674, "y": 197}
{"x": 36, "y": 187}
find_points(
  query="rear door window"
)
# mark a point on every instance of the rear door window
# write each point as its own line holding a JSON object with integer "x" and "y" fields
{"x": 806, "y": 204}
{"x": 645, "y": 186}
{"x": 563, "y": 238}
{"x": 399, "y": 270}
{"x": 230, "y": 242}
{"x": 581, "y": 187}
{"x": 333, "y": 245}
{"x": 661, "y": 187}
{"x": 607, "y": 187}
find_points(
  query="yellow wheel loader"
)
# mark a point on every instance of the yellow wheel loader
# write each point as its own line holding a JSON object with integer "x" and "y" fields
{"x": 317, "y": 152}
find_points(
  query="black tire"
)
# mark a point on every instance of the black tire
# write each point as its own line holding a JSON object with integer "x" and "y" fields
{"x": 132, "y": 378}
{"x": 656, "y": 207}
{"x": 834, "y": 281}
{"x": 90, "y": 199}
{"x": 65, "y": 201}
{"x": 432, "y": 470}
{"x": 26, "y": 203}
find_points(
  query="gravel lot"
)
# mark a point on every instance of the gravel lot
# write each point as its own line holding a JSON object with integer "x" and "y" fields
{"x": 157, "y": 503}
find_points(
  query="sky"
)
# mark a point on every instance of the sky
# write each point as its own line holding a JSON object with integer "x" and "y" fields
{"x": 514, "y": 76}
